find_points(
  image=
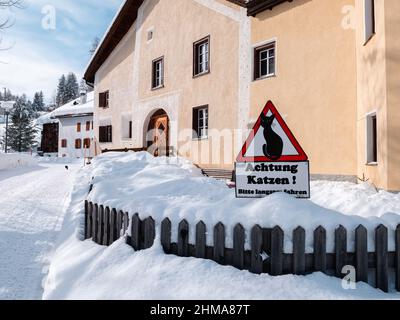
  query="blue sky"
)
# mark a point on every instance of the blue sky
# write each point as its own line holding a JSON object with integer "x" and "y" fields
{"x": 37, "y": 55}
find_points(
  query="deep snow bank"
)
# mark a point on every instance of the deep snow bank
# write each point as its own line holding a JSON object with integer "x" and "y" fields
{"x": 16, "y": 160}
{"x": 174, "y": 188}
{"x": 138, "y": 182}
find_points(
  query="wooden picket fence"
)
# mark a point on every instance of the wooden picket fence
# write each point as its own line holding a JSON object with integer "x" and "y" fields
{"x": 105, "y": 225}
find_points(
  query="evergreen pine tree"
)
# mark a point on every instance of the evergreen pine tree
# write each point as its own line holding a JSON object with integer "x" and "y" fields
{"x": 60, "y": 98}
{"x": 21, "y": 132}
{"x": 38, "y": 102}
{"x": 71, "y": 88}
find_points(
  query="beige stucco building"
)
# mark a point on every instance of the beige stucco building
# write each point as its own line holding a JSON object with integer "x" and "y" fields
{"x": 201, "y": 71}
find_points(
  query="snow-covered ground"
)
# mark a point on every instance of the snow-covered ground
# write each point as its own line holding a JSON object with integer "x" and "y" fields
{"x": 32, "y": 202}
{"x": 141, "y": 183}
{"x": 16, "y": 160}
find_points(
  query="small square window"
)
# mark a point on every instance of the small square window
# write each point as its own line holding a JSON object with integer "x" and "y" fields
{"x": 104, "y": 99}
{"x": 200, "y": 122}
{"x": 78, "y": 127}
{"x": 78, "y": 144}
{"x": 150, "y": 35}
{"x": 264, "y": 61}
{"x": 64, "y": 143}
{"x": 158, "y": 73}
{"x": 105, "y": 134}
{"x": 201, "y": 57}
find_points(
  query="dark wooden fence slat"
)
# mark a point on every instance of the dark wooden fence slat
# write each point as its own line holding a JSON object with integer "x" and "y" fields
{"x": 382, "y": 272}
{"x": 256, "y": 265}
{"x": 106, "y": 226}
{"x": 120, "y": 221}
{"x": 90, "y": 221}
{"x": 219, "y": 243}
{"x": 166, "y": 235}
{"x": 113, "y": 226}
{"x": 277, "y": 251}
{"x": 201, "y": 240}
{"x": 320, "y": 249}
{"x": 183, "y": 239}
{"x": 340, "y": 250}
{"x": 398, "y": 258}
{"x": 135, "y": 232}
{"x": 86, "y": 223}
{"x": 361, "y": 254}
{"x": 238, "y": 246}
{"x": 149, "y": 232}
{"x": 100, "y": 217}
{"x": 126, "y": 222}
{"x": 299, "y": 251}
{"x": 95, "y": 223}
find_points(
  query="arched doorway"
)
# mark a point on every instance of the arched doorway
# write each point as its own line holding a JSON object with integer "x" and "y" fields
{"x": 158, "y": 134}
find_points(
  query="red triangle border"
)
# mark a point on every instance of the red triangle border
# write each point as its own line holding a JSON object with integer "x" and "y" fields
{"x": 291, "y": 158}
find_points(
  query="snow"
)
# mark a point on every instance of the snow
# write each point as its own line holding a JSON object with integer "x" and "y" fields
{"x": 75, "y": 108}
{"x": 32, "y": 205}
{"x": 45, "y": 119}
{"x": 174, "y": 188}
{"x": 16, "y": 160}
{"x": 137, "y": 182}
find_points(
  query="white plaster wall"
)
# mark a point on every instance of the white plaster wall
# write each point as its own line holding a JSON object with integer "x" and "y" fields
{"x": 68, "y": 131}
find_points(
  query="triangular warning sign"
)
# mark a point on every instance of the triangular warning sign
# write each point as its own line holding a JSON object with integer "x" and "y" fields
{"x": 271, "y": 140}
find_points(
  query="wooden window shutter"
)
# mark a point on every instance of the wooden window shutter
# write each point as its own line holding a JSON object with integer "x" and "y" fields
{"x": 195, "y": 123}
{"x": 102, "y": 134}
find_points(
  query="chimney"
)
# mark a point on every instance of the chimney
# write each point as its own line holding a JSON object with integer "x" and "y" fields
{"x": 83, "y": 96}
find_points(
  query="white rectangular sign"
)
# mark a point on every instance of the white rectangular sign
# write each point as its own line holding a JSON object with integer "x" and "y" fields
{"x": 257, "y": 180}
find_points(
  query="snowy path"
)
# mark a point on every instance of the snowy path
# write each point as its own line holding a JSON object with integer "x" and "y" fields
{"x": 32, "y": 203}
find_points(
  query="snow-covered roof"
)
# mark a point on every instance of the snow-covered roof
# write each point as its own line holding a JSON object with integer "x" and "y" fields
{"x": 46, "y": 118}
{"x": 75, "y": 108}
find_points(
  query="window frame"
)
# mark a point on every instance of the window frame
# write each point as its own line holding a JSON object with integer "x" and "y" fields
{"x": 154, "y": 85}
{"x": 78, "y": 144}
{"x": 86, "y": 143}
{"x": 196, "y": 57}
{"x": 197, "y": 129}
{"x": 64, "y": 143}
{"x": 104, "y": 99}
{"x": 78, "y": 127}
{"x": 105, "y": 137}
{"x": 369, "y": 34}
{"x": 257, "y": 67}
{"x": 371, "y": 141}
{"x": 87, "y": 125}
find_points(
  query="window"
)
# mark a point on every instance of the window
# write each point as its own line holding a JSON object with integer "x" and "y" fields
{"x": 264, "y": 61}
{"x": 201, "y": 57}
{"x": 150, "y": 34}
{"x": 87, "y": 125}
{"x": 78, "y": 144}
{"x": 105, "y": 134}
{"x": 200, "y": 122}
{"x": 372, "y": 139}
{"x": 86, "y": 143}
{"x": 64, "y": 143}
{"x": 369, "y": 19}
{"x": 78, "y": 127}
{"x": 104, "y": 99}
{"x": 158, "y": 73}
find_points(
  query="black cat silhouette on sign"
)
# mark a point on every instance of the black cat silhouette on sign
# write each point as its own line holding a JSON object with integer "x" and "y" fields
{"x": 271, "y": 140}
{"x": 274, "y": 144}
{"x": 272, "y": 160}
